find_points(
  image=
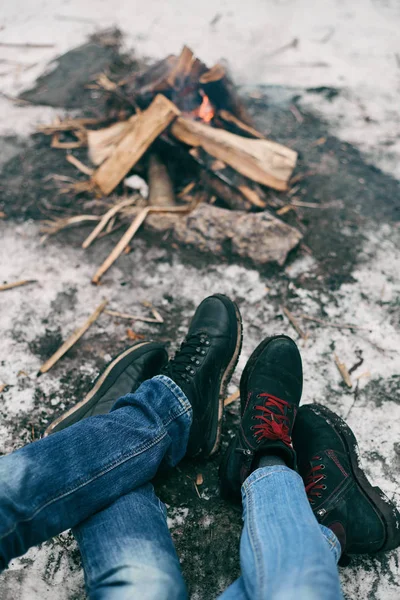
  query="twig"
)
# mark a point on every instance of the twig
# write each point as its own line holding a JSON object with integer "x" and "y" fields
{"x": 79, "y": 165}
{"x": 154, "y": 311}
{"x": 296, "y": 113}
{"x": 10, "y": 286}
{"x": 343, "y": 371}
{"x": 128, "y": 235}
{"x": 232, "y": 398}
{"x": 106, "y": 218}
{"x": 294, "y": 323}
{"x": 328, "y": 324}
{"x": 21, "y": 45}
{"x": 72, "y": 339}
{"x": 52, "y": 227}
{"x": 116, "y": 313}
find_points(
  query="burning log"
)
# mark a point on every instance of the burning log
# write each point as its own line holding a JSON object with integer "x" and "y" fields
{"x": 221, "y": 91}
{"x": 263, "y": 161}
{"x": 227, "y": 120}
{"x": 145, "y": 129}
{"x": 161, "y": 191}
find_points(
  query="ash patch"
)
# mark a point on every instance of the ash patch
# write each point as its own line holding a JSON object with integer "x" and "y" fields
{"x": 45, "y": 345}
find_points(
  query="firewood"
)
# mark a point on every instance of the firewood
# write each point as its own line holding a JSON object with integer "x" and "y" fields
{"x": 72, "y": 339}
{"x": 222, "y": 93}
{"x": 161, "y": 192}
{"x": 182, "y": 68}
{"x": 102, "y": 142}
{"x": 10, "y": 286}
{"x": 263, "y": 161}
{"x": 128, "y": 235}
{"x": 105, "y": 219}
{"x": 235, "y": 125}
{"x": 146, "y": 128}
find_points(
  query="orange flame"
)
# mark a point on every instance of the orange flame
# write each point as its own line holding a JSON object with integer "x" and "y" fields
{"x": 206, "y": 111}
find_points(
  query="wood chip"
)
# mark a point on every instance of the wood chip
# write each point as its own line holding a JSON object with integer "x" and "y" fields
{"x": 343, "y": 371}
{"x": 72, "y": 339}
{"x": 10, "y": 286}
{"x": 146, "y": 128}
{"x": 199, "y": 479}
{"x": 106, "y": 218}
{"x": 232, "y": 398}
{"x": 79, "y": 165}
{"x": 294, "y": 322}
{"x": 132, "y": 335}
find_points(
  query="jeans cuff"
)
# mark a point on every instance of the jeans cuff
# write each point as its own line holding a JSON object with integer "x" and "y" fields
{"x": 263, "y": 472}
{"x": 176, "y": 390}
{"x": 333, "y": 543}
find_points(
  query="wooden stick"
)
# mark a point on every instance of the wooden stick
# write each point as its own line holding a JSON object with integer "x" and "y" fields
{"x": 120, "y": 315}
{"x": 154, "y": 311}
{"x": 239, "y": 126}
{"x": 72, "y": 339}
{"x": 343, "y": 371}
{"x": 294, "y": 323}
{"x": 128, "y": 235}
{"x": 161, "y": 191}
{"x": 146, "y": 128}
{"x": 337, "y": 325}
{"x": 10, "y": 286}
{"x": 105, "y": 219}
{"x": 52, "y": 227}
{"x": 263, "y": 161}
{"x": 232, "y": 398}
{"x": 79, "y": 165}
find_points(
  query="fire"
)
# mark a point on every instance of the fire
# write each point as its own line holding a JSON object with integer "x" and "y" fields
{"x": 206, "y": 111}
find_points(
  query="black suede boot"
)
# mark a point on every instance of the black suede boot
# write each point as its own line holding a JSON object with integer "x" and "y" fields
{"x": 122, "y": 375}
{"x": 342, "y": 498}
{"x": 203, "y": 367}
{"x": 270, "y": 392}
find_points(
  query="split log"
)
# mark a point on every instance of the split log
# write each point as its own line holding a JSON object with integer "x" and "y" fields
{"x": 222, "y": 92}
{"x": 102, "y": 142}
{"x": 181, "y": 69}
{"x": 259, "y": 237}
{"x": 161, "y": 192}
{"x": 146, "y": 128}
{"x": 263, "y": 161}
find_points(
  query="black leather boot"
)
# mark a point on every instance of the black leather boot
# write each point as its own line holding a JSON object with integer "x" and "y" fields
{"x": 123, "y": 375}
{"x": 270, "y": 392}
{"x": 342, "y": 498}
{"x": 203, "y": 367}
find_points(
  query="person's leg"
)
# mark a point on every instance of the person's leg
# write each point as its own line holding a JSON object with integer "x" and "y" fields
{"x": 284, "y": 552}
{"x": 57, "y": 482}
{"x": 127, "y": 551}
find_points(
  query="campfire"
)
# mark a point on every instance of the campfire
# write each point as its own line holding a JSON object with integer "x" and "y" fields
{"x": 189, "y": 146}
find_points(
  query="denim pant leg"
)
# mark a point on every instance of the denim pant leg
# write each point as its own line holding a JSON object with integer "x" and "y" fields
{"x": 58, "y": 482}
{"x": 284, "y": 552}
{"x": 127, "y": 551}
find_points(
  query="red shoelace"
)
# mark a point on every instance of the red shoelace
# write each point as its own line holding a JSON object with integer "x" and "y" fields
{"x": 274, "y": 426}
{"x": 313, "y": 481}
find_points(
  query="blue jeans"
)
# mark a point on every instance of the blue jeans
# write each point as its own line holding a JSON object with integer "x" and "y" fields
{"x": 94, "y": 477}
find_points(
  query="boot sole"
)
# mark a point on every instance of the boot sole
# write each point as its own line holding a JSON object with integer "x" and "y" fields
{"x": 226, "y": 375}
{"x": 387, "y": 512}
{"x": 82, "y": 407}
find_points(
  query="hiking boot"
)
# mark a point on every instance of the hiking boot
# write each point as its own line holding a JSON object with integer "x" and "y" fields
{"x": 341, "y": 497}
{"x": 270, "y": 392}
{"x": 203, "y": 367}
{"x": 123, "y": 375}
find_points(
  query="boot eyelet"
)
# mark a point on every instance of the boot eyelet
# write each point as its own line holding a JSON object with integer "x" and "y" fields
{"x": 319, "y": 495}
{"x": 198, "y": 349}
{"x": 322, "y": 467}
{"x": 324, "y": 487}
{"x": 207, "y": 342}
{"x": 312, "y": 502}
{"x": 197, "y": 362}
{"x": 202, "y": 352}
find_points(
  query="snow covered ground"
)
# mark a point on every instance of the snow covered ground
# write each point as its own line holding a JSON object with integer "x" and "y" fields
{"x": 300, "y": 43}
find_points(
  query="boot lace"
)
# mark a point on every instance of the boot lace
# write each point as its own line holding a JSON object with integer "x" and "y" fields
{"x": 313, "y": 479}
{"x": 182, "y": 367}
{"x": 273, "y": 425}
